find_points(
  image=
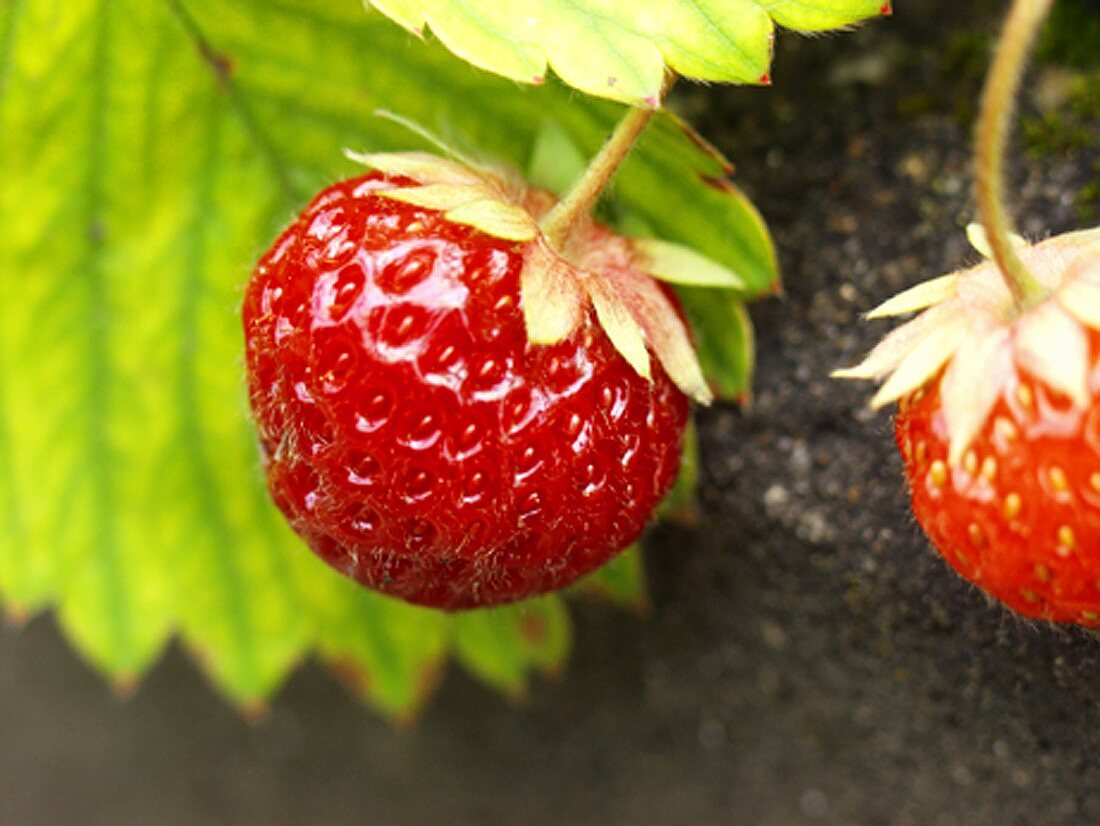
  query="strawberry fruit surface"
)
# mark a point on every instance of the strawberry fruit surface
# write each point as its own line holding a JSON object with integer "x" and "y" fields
{"x": 1019, "y": 515}
{"x": 999, "y": 424}
{"x": 411, "y": 433}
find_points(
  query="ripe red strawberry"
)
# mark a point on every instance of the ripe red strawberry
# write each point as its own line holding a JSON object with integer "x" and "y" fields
{"x": 999, "y": 426}
{"x": 412, "y": 434}
{"x": 1020, "y": 514}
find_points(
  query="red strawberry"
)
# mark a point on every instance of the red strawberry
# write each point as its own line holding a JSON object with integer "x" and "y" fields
{"x": 412, "y": 434}
{"x": 999, "y": 425}
{"x": 1020, "y": 514}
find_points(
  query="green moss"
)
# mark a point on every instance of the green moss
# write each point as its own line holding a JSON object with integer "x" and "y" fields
{"x": 1072, "y": 38}
{"x": 967, "y": 54}
{"x": 1087, "y": 204}
{"x": 1071, "y": 42}
{"x": 1054, "y": 132}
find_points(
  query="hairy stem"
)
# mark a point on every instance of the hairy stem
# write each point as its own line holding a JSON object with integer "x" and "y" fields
{"x": 1025, "y": 19}
{"x": 582, "y": 196}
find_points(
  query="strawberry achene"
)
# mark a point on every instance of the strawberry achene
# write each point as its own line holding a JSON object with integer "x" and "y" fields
{"x": 1020, "y": 514}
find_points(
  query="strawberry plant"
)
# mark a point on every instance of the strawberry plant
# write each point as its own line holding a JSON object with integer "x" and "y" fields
{"x": 414, "y": 435}
{"x": 997, "y": 386}
{"x": 151, "y": 151}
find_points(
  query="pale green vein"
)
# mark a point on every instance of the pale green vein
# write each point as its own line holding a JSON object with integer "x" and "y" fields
{"x": 230, "y": 579}
{"x": 100, "y": 375}
{"x": 223, "y": 73}
{"x": 608, "y": 41}
{"x": 155, "y": 84}
{"x": 733, "y": 45}
{"x": 13, "y": 528}
{"x": 7, "y": 42}
{"x": 493, "y": 31}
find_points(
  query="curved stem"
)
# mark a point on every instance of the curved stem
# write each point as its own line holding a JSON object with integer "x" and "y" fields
{"x": 997, "y": 110}
{"x": 582, "y": 196}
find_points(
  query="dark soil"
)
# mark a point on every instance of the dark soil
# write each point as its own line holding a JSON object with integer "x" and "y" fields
{"x": 808, "y": 657}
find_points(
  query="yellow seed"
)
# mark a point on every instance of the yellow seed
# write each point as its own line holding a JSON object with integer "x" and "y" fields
{"x": 970, "y": 462}
{"x": 1013, "y": 504}
{"x": 974, "y": 531}
{"x": 1058, "y": 479}
{"x": 1024, "y": 395}
{"x": 922, "y": 452}
{"x": 1094, "y": 480}
{"x": 1090, "y": 616}
{"x": 989, "y": 469}
{"x": 1029, "y": 595}
{"x": 1005, "y": 429}
{"x": 1042, "y": 572}
{"x": 1066, "y": 539}
{"x": 937, "y": 474}
{"x": 916, "y": 395}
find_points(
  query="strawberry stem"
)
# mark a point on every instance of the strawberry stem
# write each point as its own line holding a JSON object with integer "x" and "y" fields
{"x": 997, "y": 110}
{"x": 558, "y": 224}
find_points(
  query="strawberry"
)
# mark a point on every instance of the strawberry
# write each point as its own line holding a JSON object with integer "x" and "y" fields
{"x": 999, "y": 424}
{"x": 450, "y": 411}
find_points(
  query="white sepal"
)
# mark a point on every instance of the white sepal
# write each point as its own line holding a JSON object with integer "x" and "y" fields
{"x": 550, "y": 294}
{"x": 621, "y": 327}
{"x": 422, "y": 167}
{"x": 442, "y": 197}
{"x": 920, "y": 297}
{"x": 1053, "y": 346}
{"x": 495, "y": 217}
{"x": 923, "y": 360}
{"x": 979, "y": 239}
{"x": 666, "y": 333}
{"x": 1080, "y": 290}
{"x": 888, "y": 353}
{"x": 972, "y": 384}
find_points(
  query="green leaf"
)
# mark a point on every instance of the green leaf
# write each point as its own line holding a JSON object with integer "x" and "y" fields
{"x": 723, "y": 340}
{"x": 678, "y": 264}
{"x": 501, "y": 645}
{"x": 150, "y": 152}
{"x": 621, "y": 581}
{"x": 389, "y": 654}
{"x": 681, "y": 504}
{"x": 619, "y": 49}
{"x": 556, "y": 161}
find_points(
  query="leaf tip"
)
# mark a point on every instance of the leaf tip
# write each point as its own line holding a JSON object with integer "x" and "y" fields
{"x": 362, "y": 158}
{"x": 516, "y": 693}
{"x": 701, "y": 394}
{"x": 425, "y": 682}
{"x": 253, "y": 710}
{"x": 16, "y": 616}
{"x": 851, "y": 373}
{"x": 125, "y": 685}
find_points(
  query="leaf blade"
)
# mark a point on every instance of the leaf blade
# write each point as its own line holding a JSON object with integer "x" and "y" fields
{"x": 144, "y": 514}
{"x": 620, "y": 50}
